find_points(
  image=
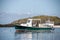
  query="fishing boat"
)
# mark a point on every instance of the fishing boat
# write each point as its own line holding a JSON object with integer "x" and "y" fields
{"x": 35, "y": 25}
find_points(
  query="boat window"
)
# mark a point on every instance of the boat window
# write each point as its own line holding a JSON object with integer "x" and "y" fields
{"x": 28, "y": 21}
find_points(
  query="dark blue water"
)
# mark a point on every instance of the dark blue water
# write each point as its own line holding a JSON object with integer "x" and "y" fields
{"x": 8, "y": 33}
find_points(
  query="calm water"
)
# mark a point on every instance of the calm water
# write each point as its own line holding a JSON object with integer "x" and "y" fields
{"x": 8, "y": 33}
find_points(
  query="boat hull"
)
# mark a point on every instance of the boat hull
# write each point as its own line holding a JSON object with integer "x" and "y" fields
{"x": 34, "y": 29}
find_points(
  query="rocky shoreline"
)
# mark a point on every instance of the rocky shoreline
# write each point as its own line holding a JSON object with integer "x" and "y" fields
{"x": 42, "y": 17}
{"x": 56, "y": 26}
{"x": 6, "y": 25}
{"x": 12, "y": 25}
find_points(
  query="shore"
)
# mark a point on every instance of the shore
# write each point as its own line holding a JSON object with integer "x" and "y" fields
{"x": 11, "y": 25}
{"x": 56, "y": 26}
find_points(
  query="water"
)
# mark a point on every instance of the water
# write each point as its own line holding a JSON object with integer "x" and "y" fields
{"x": 9, "y": 33}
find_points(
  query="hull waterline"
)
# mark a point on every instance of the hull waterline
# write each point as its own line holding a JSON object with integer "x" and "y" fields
{"x": 33, "y": 29}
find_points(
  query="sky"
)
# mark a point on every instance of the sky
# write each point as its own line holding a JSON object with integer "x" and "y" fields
{"x": 11, "y": 10}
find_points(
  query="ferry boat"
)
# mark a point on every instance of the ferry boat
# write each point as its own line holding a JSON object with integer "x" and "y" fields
{"x": 35, "y": 25}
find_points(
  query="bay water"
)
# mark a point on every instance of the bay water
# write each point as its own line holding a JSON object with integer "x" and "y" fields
{"x": 9, "y": 33}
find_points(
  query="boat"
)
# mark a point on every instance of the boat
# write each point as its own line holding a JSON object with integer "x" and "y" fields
{"x": 35, "y": 26}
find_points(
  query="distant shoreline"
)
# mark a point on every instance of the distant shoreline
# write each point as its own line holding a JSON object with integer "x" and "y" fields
{"x": 42, "y": 17}
{"x": 56, "y": 26}
{"x": 7, "y": 25}
{"x": 11, "y": 25}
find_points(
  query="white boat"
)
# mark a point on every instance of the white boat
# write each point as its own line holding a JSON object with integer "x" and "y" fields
{"x": 30, "y": 26}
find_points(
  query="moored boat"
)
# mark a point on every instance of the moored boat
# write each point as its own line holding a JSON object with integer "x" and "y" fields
{"x": 37, "y": 26}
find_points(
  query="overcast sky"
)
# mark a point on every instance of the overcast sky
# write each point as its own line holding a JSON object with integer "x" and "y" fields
{"x": 11, "y": 10}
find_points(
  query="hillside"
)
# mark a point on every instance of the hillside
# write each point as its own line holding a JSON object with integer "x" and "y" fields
{"x": 43, "y": 18}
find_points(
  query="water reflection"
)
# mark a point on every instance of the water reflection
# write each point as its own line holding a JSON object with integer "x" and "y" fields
{"x": 23, "y": 36}
{"x": 34, "y": 35}
{"x": 9, "y": 33}
{"x": 47, "y": 35}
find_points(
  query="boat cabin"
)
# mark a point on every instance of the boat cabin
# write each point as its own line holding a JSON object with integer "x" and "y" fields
{"x": 32, "y": 23}
{"x": 37, "y": 23}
